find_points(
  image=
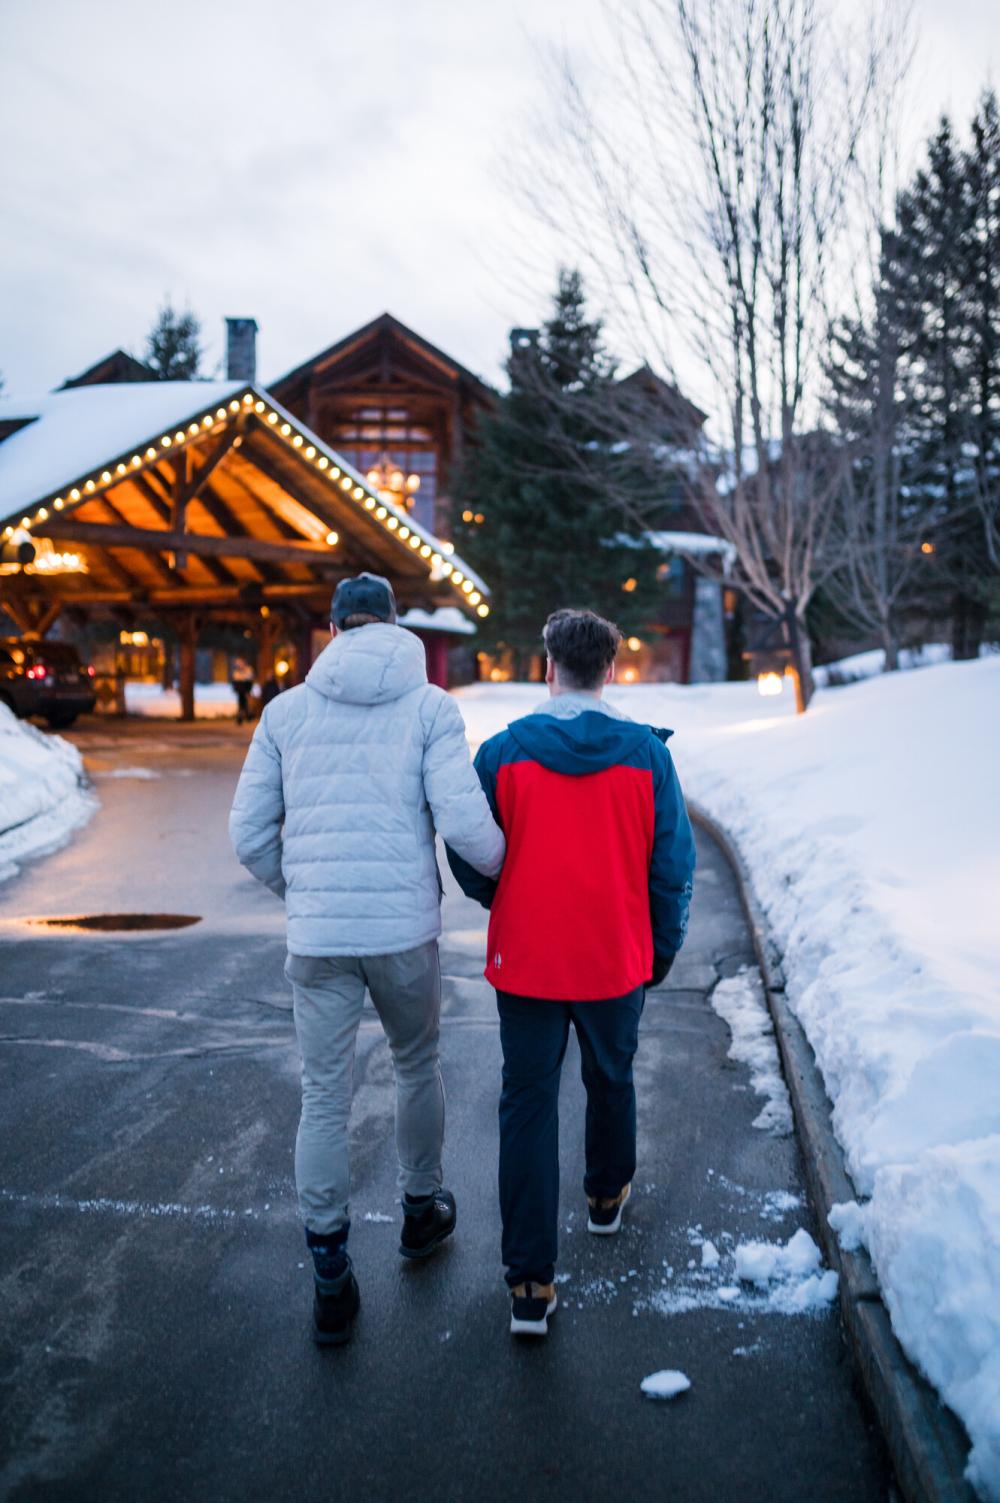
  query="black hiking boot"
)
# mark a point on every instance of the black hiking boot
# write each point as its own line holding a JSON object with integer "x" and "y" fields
{"x": 427, "y": 1225}
{"x": 334, "y": 1307}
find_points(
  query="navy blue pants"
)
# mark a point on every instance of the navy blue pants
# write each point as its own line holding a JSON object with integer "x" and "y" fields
{"x": 534, "y": 1033}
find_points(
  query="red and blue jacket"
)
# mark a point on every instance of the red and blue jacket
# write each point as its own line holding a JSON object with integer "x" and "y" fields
{"x": 600, "y": 855}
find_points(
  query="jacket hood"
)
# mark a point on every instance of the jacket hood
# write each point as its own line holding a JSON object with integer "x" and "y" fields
{"x": 370, "y": 665}
{"x": 578, "y": 735}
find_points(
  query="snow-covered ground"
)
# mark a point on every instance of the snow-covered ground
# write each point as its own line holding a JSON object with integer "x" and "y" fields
{"x": 867, "y": 664}
{"x": 211, "y": 701}
{"x": 871, "y": 827}
{"x": 43, "y": 797}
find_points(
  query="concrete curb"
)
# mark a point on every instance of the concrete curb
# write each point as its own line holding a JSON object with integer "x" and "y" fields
{"x": 927, "y": 1443}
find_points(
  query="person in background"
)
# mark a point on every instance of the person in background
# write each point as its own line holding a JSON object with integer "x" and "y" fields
{"x": 242, "y": 682}
{"x": 345, "y": 782}
{"x": 591, "y": 907}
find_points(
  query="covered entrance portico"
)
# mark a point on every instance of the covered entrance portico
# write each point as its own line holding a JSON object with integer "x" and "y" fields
{"x": 198, "y": 505}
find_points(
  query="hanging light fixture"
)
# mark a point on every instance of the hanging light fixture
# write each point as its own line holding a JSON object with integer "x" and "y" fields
{"x": 392, "y": 484}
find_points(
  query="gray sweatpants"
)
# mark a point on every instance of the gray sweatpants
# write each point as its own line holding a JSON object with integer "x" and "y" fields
{"x": 329, "y": 995}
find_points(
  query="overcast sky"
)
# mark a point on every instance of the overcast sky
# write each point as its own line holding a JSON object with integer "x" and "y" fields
{"x": 308, "y": 164}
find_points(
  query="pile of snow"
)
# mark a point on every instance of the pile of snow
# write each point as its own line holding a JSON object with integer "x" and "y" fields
{"x": 867, "y": 664}
{"x": 43, "y": 794}
{"x": 748, "y": 1277}
{"x": 791, "y": 1272}
{"x": 848, "y": 1221}
{"x": 666, "y": 1384}
{"x": 211, "y": 701}
{"x": 739, "y": 1001}
{"x": 870, "y": 828}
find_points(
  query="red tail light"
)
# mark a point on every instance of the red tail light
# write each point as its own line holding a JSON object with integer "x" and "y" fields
{"x": 91, "y": 670}
{"x": 37, "y": 672}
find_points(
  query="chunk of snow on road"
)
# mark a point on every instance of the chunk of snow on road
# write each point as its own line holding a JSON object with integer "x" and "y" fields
{"x": 780, "y": 1203}
{"x": 791, "y": 1272}
{"x": 666, "y": 1384}
{"x": 814, "y": 1293}
{"x": 142, "y": 773}
{"x": 709, "y": 1255}
{"x": 739, "y": 1001}
{"x": 848, "y": 1220}
{"x": 43, "y": 793}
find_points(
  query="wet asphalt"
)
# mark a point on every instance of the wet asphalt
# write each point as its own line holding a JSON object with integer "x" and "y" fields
{"x": 155, "y": 1338}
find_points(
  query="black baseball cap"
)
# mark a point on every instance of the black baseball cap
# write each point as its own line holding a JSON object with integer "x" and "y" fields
{"x": 365, "y": 595}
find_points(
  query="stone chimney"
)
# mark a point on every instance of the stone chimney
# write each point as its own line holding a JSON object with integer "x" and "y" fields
{"x": 523, "y": 339}
{"x": 241, "y": 349}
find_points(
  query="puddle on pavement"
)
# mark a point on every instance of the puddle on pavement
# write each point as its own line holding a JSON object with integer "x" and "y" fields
{"x": 117, "y": 922}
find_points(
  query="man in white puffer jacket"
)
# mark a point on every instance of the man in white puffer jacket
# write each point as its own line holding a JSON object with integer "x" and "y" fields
{"x": 346, "y": 780}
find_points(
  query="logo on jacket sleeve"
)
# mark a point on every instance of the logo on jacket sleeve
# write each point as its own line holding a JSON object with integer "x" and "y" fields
{"x": 497, "y": 961}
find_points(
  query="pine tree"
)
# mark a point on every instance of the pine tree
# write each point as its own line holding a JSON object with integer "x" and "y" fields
{"x": 980, "y": 556}
{"x": 881, "y": 517}
{"x": 539, "y": 476}
{"x": 948, "y": 232}
{"x": 172, "y": 345}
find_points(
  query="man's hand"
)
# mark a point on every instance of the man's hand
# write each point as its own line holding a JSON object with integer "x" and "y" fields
{"x": 661, "y": 969}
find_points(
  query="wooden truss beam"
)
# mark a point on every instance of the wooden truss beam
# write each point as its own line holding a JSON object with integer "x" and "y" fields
{"x": 108, "y": 535}
{"x": 184, "y": 491}
{"x": 148, "y": 485}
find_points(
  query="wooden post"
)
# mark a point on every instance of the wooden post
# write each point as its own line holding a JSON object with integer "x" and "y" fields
{"x": 267, "y": 635}
{"x": 188, "y": 633}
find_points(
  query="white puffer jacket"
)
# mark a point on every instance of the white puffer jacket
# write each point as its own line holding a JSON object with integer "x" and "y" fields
{"x": 345, "y": 780}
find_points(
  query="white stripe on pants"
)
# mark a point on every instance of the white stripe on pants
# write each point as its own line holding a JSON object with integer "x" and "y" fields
{"x": 329, "y": 995}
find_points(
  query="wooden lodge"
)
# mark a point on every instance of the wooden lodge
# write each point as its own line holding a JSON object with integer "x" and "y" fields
{"x": 215, "y": 507}
{"x": 396, "y": 407}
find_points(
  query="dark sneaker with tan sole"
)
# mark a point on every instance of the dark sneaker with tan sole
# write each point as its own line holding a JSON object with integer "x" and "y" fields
{"x": 334, "y": 1309}
{"x": 530, "y": 1308}
{"x": 424, "y": 1230}
{"x": 604, "y": 1217}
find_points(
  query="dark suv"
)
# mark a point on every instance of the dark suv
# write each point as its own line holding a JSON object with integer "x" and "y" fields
{"x": 45, "y": 678}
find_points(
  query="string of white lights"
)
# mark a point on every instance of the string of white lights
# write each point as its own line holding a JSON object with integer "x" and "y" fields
{"x": 395, "y": 522}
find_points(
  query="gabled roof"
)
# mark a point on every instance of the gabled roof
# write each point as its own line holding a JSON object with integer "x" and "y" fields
{"x": 102, "y": 466}
{"x": 386, "y": 326}
{"x": 82, "y": 428}
{"x": 666, "y": 395}
{"x": 118, "y": 366}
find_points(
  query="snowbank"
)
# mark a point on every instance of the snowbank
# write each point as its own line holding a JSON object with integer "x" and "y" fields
{"x": 43, "y": 797}
{"x": 870, "y": 827}
{"x": 211, "y": 701}
{"x": 867, "y": 664}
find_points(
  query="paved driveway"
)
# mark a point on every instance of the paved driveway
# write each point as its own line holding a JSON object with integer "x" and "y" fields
{"x": 155, "y": 1338}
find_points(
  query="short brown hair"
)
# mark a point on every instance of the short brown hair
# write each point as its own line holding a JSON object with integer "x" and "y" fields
{"x": 582, "y": 645}
{"x": 362, "y": 618}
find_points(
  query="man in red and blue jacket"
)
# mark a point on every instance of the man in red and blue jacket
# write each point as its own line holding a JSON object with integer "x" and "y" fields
{"x": 591, "y": 907}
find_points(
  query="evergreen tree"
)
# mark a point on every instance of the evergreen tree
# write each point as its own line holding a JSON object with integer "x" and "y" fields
{"x": 947, "y": 238}
{"x": 173, "y": 350}
{"x": 980, "y": 560}
{"x": 540, "y": 477}
{"x": 883, "y": 516}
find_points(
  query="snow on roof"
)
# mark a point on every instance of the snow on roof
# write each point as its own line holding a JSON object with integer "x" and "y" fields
{"x": 448, "y": 618}
{"x": 691, "y": 544}
{"x": 84, "y": 427}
